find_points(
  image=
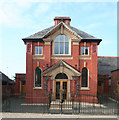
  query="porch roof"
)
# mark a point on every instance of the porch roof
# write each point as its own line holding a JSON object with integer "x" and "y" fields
{"x": 60, "y": 63}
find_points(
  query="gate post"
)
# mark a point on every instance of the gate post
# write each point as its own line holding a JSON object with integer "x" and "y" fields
{"x": 118, "y": 109}
{"x": 73, "y": 102}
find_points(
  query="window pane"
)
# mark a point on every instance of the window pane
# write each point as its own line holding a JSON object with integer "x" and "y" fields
{"x": 37, "y": 77}
{"x": 86, "y": 50}
{"x": 61, "y": 38}
{"x": 56, "y": 48}
{"x": 84, "y": 77}
{"x": 61, "y": 48}
{"x": 61, "y": 76}
{"x": 57, "y": 39}
{"x": 66, "y": 47}
{"x": 36, "y": 49}
{"x": 82, "y": 50}
{"x": 61, "y": 45}
{"x": 66, "y": 39}
{"x": 40, "y": 50}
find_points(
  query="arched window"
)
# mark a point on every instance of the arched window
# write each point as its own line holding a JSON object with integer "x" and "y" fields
{"x": 61, "y": 76}
{"x": 84, "y": 77}
{"x": 61, "y": 45}
{"x": 38, "y": 77}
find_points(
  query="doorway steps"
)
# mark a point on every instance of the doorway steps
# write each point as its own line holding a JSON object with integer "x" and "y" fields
{"x": 57, "y": 105}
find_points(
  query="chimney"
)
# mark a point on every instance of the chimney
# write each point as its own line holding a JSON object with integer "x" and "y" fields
{"x": 62, "y": 19}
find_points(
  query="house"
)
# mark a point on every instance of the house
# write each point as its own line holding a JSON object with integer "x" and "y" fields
{"x": 105, "y": 66}
{"x": 61, "y": 60}
{"x": 7, "y": 85}
{"x": 115, "y": 84}
{"x": 20, "y": 84}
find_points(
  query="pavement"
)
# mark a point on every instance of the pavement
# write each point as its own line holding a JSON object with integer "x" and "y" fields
{"x": 34, "y": 116}
{"x": 60, "y": 119}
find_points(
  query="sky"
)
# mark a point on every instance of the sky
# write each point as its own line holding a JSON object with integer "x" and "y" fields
{"x": 22, "y": 18}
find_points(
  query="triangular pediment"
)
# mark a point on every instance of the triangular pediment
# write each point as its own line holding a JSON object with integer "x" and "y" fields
{"x": 61, "y": 28}
{"x": 61, "y": 67}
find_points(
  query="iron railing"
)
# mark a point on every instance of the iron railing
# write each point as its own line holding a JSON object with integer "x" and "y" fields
{"x": 78, "y": 104}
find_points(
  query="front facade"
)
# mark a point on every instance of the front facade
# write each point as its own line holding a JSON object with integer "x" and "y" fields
{"x": 60, "y": 60}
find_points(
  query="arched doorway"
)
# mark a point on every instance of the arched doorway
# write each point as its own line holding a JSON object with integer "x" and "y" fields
{"x": 61, "y": 86}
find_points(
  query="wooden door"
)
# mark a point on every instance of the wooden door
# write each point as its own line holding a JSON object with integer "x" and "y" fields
{"x": 61, "y": 90}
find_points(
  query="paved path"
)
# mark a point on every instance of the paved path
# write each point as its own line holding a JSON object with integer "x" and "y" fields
{"x": 60, "y": 119}
{"x": 32, "y": 116}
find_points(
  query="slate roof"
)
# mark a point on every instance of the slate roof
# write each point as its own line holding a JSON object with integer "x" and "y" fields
{"x": 83, "y": 34}
{"x": 106, "y": 65}
{"x": 5, "y": 78}
{"x": 41, "y": 34}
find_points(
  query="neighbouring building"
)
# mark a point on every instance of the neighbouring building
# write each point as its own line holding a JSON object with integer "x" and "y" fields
{"x": 20, "y": 84}
{"x": 105, "y": 79}
{"x": 7, "y": 85}
{"x": 61, "y": 60}
{"x": 115, "y": 84}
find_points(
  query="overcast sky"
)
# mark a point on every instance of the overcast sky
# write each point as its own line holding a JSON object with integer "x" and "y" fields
{"x": 21, "y": 18}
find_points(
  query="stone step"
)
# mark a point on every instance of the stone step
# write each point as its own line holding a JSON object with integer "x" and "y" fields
{"x": 56, "y": 105}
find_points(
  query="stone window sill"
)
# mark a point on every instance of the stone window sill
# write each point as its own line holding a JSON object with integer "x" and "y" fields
{"x": 38, "y": 56}
{"x": 87, "y": 57}
{"x": 61, "y": 57}
{"x": 37, "y": 88}
{"x": 85, "y": 88}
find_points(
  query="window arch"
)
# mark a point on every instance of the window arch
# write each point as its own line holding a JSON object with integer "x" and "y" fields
{"x": 38, "y": 77}
{"x": 84, "y": 77}
{"x": 61, "y": 76}
{"x": 61, "y": 45}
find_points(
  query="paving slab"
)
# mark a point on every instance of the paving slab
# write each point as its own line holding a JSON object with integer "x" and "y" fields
{"x": 59, "y": 116}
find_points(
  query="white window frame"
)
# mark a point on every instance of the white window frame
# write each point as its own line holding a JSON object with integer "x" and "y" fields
{"x": 84, "y": 50}
{"x": 85, "y": 88}
{"x": 39, "y": 50}
{"x": 63, "y": 46}
{"x": 35, "y": 80}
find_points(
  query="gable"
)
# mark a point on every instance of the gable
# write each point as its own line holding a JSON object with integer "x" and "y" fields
{"x": 61, "y": 67}
{"x": 61, "y": 29}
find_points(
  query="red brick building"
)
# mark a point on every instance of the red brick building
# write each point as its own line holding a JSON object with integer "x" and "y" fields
{"x": 60, "y": 59}
{"x": 115, "y": 84}
{"x": 105, "y": 77}
{"x": 20, "y": 84}
{"x": 7, "y": 86}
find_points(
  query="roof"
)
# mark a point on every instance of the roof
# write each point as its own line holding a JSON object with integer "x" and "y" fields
{"x": 41, "y": 34}
{"x": 106, "y": 65}
{"x": 4, "y": 77}
{"x": 115, "y": 70}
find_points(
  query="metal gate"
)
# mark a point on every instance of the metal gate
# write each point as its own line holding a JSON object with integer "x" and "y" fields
{"x": 84, "y": 104}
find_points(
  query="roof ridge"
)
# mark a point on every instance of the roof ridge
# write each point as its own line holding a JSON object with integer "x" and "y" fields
{"x": 43, "y": 33}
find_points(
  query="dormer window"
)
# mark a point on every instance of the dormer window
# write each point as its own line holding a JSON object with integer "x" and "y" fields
{"x": 61, "y": 45}
{"x": 84, "y": 50}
